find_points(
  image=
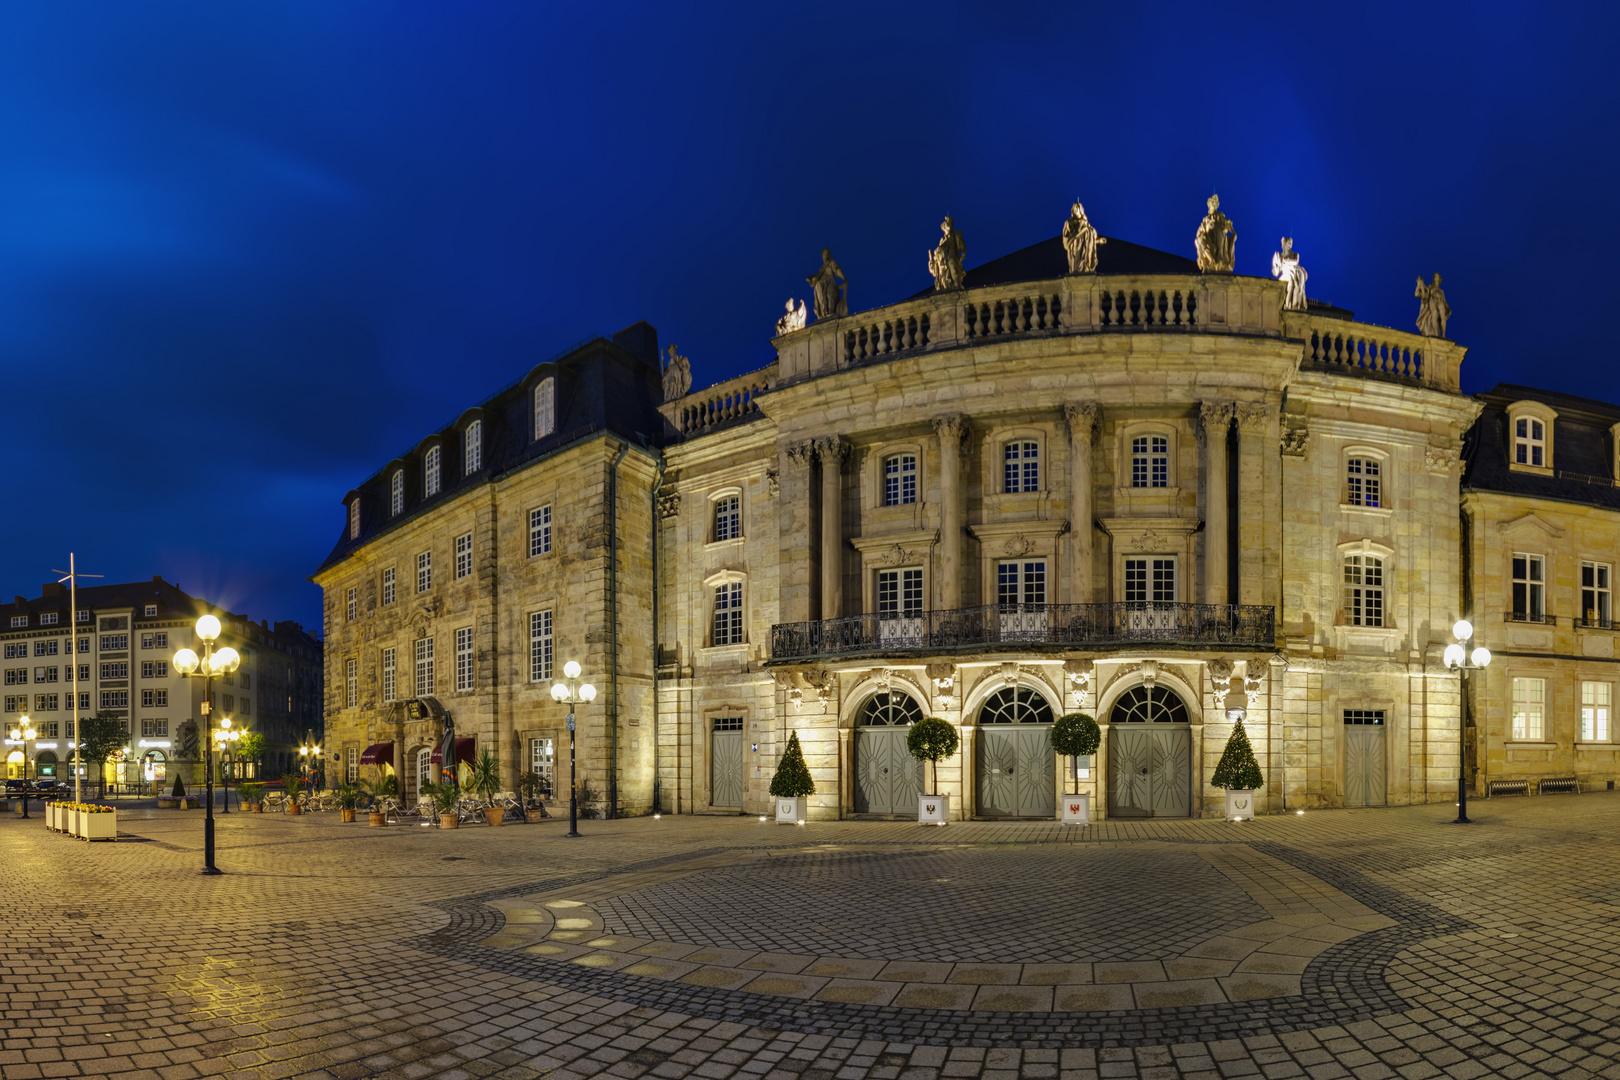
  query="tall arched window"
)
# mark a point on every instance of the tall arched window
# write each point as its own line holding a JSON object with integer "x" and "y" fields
{"x": 396, "y": 493}
{"x": 473, "y": 447}
{"x": 545, "y": 407}
{"x": 354, "y": 518}
{"x": 424, "y": 767}
{"x": 430, "y": 472}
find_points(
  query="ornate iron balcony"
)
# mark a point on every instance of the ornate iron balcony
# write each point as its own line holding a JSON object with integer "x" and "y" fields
{"x": 1073, "y": 626}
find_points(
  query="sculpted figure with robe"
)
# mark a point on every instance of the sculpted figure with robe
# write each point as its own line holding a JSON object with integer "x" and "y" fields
{"x": 1285, "y": 268}
{"x": 795, "y": 318}
{"x": 1216, "y": 240}
{"x": 831, "y": 290}
{"x": 1080, "y": 240}
{"x": 677, "y": 376}
{"x": 945, "y": 261}
{"x": 1433, "y": 312}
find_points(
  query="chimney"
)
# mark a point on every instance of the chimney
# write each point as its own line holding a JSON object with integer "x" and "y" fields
{"x": 50, "y": 588}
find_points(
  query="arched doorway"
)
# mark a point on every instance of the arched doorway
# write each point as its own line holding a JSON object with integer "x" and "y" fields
{"x": 44, "y": 764}
{"x": 1016, "y": 760}
{"x": 887, "y": 778}
{"x": 1149, "y": 754}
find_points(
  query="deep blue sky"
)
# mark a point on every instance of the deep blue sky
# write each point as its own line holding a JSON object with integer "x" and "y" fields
{"x": 250, "y": 251}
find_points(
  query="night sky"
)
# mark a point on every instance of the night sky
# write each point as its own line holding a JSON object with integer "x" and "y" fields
{"x": 251, "y": 251}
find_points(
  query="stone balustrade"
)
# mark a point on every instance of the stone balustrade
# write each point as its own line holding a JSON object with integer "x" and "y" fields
{"x": 721, "y": 403}
{"x": 1374, "y": 352}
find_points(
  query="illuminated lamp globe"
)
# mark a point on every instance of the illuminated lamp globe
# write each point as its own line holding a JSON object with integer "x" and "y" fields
{"x": 587, "y": 692}
{"x": 14, "y": 734}
{"x": 185, "y": 661}
{"x": 225, "y": 723}
{"x": 1462, "y": 629}
{"x": 226, "y": 660}
{"x": 1481, "y": 657}
{"x": 559, "y": 692}
{"x": 1454, "y": 656}
{"x": 208, "y": 628}
{"x": 571, "y": 669}
{"x": 303, "y": 751}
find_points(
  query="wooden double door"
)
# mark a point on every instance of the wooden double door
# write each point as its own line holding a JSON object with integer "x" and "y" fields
{"x": 1149, "y": 755}
{"x": 1016, "y": 772}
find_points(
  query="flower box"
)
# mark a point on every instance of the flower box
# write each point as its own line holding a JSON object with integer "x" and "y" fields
{"x": 791, "y": 811}
{"x": 99, "y": 826}
{"x": 933, "y": 809}
{"x": 1077, "y": 809}
{"x": 51, "y": 817}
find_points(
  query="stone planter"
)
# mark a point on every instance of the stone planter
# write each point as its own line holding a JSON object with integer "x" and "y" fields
{"x": 448, "y": 821}
{"x": 1076, "y": 809}
{"x": 933, "y": 809}
{"x": 348, "y": 814}
{"x": 1239, "y": 804}
{"x": 378, "y": 820}
{"x": 495, "y": 815}
{"x": 791, "y": 811}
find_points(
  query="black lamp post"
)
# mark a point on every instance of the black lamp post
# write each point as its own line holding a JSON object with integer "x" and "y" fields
{"x": 225, "y": 740}
{"x": 212, "y": 664}
{"x": 572, "y": 694}
{"x": 1462, "y": 661}
{"x": 24, "y": 732}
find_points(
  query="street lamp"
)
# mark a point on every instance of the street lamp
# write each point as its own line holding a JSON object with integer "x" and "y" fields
{"x": 211, "y": 665}
{"x": 1459, "y": 659}
{"x": 309, "y": 752}
{"x": 572, "y": 694}
{"x": 23, "y": 732}
{"x": 225, "y": 740}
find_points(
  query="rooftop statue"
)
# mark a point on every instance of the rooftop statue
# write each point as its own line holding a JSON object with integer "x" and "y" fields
{"x": 677, "y": 376}
{"x": 795, "y": 318}
{"x": 1434, "y": 312}
{"x": 1285, "y": 268}
{"x": 1080, "y": 240}
{"x": 1216, "y": 240}
{"x": 831, "y": 290}
{"x": 945, "y": 261}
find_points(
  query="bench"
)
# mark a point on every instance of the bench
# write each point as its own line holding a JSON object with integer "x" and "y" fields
{"x": 1506, "y": 787}
{"x": 1558, "y": 783}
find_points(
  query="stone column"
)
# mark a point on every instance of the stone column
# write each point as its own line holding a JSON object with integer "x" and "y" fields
{"x": 1215, "y": 417}
{"x": 831, "y": 450}
{"x": 950, "y": 430}
{"x": 1083, "y": 419}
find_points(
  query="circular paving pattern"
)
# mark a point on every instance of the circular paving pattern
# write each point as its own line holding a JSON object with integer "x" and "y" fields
{"x": 961, "y": 905}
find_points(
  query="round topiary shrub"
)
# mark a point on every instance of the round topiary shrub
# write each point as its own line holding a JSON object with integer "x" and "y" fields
{"x": 1078, "y": 736}
{"x": 931, "y": 739}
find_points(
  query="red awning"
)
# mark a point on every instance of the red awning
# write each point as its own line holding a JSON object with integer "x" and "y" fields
{"x": 464, "y": 752}
{"x": 378, "y": 754}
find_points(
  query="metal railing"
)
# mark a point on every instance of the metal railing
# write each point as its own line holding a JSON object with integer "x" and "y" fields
{"x": 1540, "y": 618}
{"x": 1070, "y": 625}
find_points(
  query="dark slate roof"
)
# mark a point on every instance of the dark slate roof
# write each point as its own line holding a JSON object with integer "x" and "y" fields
{"x": 1582, "y": 449}
{"x": 1047, "y": 260}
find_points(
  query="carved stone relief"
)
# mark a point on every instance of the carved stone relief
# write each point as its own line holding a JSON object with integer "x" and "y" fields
{"x": 1440, "y": 459}
{"x": 1296, "y": 442}
{"x": 1083, "y": 418}
{"x": 669, "y": 504}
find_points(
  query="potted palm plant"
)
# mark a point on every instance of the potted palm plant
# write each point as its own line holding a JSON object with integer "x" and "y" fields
{"x": 349, "y": 794}
{"x": 484, "y": 782}
{"x": 1237, "y": 771}
{"x": 296, "y": 794}
{"x": 791, "y": 784}
{"x": 532, "y": 786}
{"x": 252, "y": 795}
{"x": 929, "y": 740}
{"x": 1078, "y": 736}
{"x": 379, "y": 790}
{"x": 445, "y": 797}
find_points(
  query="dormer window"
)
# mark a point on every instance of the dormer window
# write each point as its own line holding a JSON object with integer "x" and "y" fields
{"x": 430, "y": 472}
{"x": 1529, "y": 442}
{"x": 545, "y": 408}
{"x": 1530, "y": 436}
{"x": 473, "y": 440}
{"x": 354, "y": 518}
{"x": 396, "y": 493}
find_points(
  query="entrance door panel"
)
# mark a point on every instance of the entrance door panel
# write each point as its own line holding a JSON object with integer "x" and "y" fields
{"x": 1036, "y": 791}
{"x": 1016, "y": 772}
{"x": 887, "y": 778}
{"x": 1168, "y": 758}
{"x": 1130, "y": 792}
{"x": 1364, "y": 779}
{"x": 726, "y": 768}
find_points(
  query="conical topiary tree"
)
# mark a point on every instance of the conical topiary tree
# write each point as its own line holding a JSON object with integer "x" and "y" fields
{"x": 792, "y": 779}
{"x": 1237, "y": 769}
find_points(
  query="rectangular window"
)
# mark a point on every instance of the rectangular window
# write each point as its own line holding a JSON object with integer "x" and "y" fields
{"x": 84, "y": 671}
{"x": 114, "y": 642}
{"x": 147, "y": 699}
{"x": 1595, "y": 594}
{"x": 1529, "y": 583}
{"x": 1366, "y": 717}
{"x": 540, "y": 531}
{"x": 463, "y": 556}
{"x": 16, "y": 649}
{"x": 155, "y": 729}
{"x": 351, "y": 764}
{"x": 46, "y": 702}
{"x": 354, "y": 518}
{"x": 1150, "y": 579}
{"x": 11, "y": 703}
{"x": 545, "y": 408}
{"x": 18, "y": 621}
{"x": 1363, "y": 482}
{"x": 45, "y": 648}
{"x": 84, "y": 643}
{"x": 1021, "y": 467}
{"x": 351, "y": 684}
{"x": 388, "y": 674}
{"x": 1150, "y": 461}
{"x": 1021, "y": 583}
{"x": 727, "y": 518}
{"x": 540, "y": 646}
{"x": 115, "y": 699}
{"x": 900, "y": 592}
{"x": 430, "y": 472}
{"x": 473, "y": 452}
{"x": 84, "y": 615}
{"x": 1594, "y": 712}
{"x": 117, "y": 670}
{"x": 1529, "y": 704}
{"x": 388, "y": 586}
{"x": 424, "y": 571}
{"x": 464, "y": 658}
{"x": 1363, "y": 590}
{"x": 16, "y": 676}
{"x": 1529, "y": 442}
{"x": 543, "y": 763}
{"x": 900, "y": 480}
{"x": 424, "y": 667}
{"x": 48, "y": 618}
{"x": 353, "y": 604}
{"x": 728, "y": 619}
{"x": 230, "y": 704}
{"x": 148, "y": 641}
{"x": 396, "y": 493}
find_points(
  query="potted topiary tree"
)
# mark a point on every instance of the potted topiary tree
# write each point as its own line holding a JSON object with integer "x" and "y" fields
{"x": 1078, "y": 736}
{"x": 791, "y": 784}
{"x": 1238, "y": 772}
{"x": 484, "y": 782}
{"x": 532, "y": 788}
{"x": 929, "y": 740}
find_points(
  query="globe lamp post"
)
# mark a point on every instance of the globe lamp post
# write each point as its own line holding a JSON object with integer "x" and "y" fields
{"x": 212, "y": 664}
{"x": 1462, "y": 660}
{"x": 22, "y": 733}
{"x": 225, "y": 740}
{"x": 571, "y": 694}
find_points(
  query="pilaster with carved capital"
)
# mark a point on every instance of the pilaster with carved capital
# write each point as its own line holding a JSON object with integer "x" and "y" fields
{"x": 800, "y": 454}
{"x": 1083, "y": 418}
{"x": 951, "y": 431}
{"x": 1214, "y": 417}
{"x": 831, "y": 451}
{"x": 1214, "y": 425}
{"x": 1252, "y": 415}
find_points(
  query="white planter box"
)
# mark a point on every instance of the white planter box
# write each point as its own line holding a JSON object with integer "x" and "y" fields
{"x": 70, "y": 822}
{"x": 933, "y": 809}
{"x": 791, "y": 811}
{"x": 50, "y": 817}
{"x": 1239, "y": 804}
{"x": 1077, "y": 809}
{"x": 98, "y": 826}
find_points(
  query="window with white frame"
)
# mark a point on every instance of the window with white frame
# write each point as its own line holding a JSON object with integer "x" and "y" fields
{"x": 114, "y": 642}
{"x": 1150, "y": 461}
{"x": 14, "y": 649}
{"x": 115, "y": 699}
{"x": 540, "y": 531}
{"x": 424, "y": 571}
{"x": 388, "y": 586}
{"x": 900, "y": 592}
{"x": 84, "y": 614}
{"x": 424, "y": 767}
{"x": 430, "y": 472}
{"x": 48, "y": 618}
{"x": 354, "y": 523}
{"x": 473, "y": 447}
{"x": 1363, "y": 590}
{"x": 155, "y": 729}
{"x": 352, "y": 604}
{"x": 1529, "y": 706}
{"x": 1529, "y": 442}
{"x": 1021, "y": 582}
{"x": 728, "y": 615}
{"x": 1362, "y": 482}
{"x": 351, "y": 761}
{"x": 1595, "y": 711}
{"x": 540, "y": 646}
{"x": 389, "y": 686}
{"x": 1150, "y": 579}
{"x": 396, "y": 493}
{"x": 1021, "y": 466}
{"x": 545, "y": 407}
{"x": 463, "y": 556}
{"x": 424, "y": 666}
{"x": 727, "y": 518}
{"x": 45, "y": 648}
{"x": 117, "y": 670}
{"x": 464, "y": 658}
{"x": 18, "y": 620}
{"x": 543, "y": 763}
{"x": 351, "y": 684}
{"x": 900, "y": 480}
{"x": 1595, "y": 594}
{"x": 1529, "y": 587}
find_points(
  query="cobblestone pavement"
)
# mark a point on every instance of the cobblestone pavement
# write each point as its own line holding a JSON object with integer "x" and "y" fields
{"x": 1368, "y": 944}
